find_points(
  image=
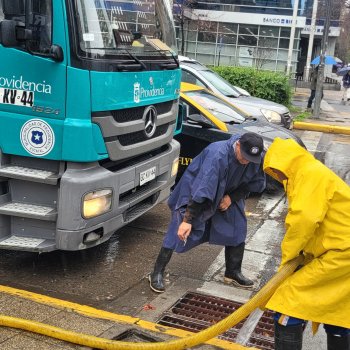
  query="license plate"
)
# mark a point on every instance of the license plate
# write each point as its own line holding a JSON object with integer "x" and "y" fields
{"x": 147, "y": 175}
{"x": 17, "y": 97}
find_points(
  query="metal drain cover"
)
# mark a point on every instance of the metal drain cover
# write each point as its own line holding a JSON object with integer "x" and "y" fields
{"x": 195, "y": 312}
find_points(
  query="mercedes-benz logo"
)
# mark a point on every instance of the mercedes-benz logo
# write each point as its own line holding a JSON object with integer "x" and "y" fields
{"x": 150, "y": 118}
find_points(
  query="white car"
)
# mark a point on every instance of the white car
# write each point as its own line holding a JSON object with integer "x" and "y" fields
{"x": 195, "y": 73}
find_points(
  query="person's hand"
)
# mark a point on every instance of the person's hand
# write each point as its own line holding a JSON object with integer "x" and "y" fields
{"x": 184, "y": 230}
{"x": 225, "y": 203}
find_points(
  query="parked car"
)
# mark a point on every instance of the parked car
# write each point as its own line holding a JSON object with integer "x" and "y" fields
{"x": 209, "y": 118}
{"x": 194, "y": 72}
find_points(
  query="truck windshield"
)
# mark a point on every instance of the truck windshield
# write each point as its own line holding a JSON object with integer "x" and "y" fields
{"x": 137, "y": 29}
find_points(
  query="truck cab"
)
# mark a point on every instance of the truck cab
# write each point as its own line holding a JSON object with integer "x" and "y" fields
{"x": 88, "y": 105}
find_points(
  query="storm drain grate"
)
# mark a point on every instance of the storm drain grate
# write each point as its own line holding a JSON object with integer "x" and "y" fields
{"x": 195, "y": 312}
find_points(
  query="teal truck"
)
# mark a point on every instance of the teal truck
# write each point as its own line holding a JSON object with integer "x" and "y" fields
{"x": 88, "y": 108}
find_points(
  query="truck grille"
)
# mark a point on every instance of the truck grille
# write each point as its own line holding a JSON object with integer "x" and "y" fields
{"x": 124, "y": 130}
{"x": 136, "y": 113}
{"x": 139, "y": 136}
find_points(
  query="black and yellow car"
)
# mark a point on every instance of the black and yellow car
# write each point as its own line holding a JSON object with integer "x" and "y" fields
{"x": 208, "y": 118}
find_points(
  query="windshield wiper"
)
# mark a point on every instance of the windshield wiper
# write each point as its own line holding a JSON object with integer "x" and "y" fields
{"x": 168, "y": 65}
{"x": 232, "y": 121}
{"x": 131, "y": 66}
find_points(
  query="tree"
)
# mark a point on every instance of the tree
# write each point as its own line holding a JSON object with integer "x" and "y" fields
{"x": 263, "y": 52}
{"x": 343, "y": 42}
{"x": 184, "y": 12}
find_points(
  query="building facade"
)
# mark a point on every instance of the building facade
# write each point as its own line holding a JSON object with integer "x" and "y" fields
{"x": 253, "y": 33}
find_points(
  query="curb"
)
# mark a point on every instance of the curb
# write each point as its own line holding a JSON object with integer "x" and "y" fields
{"x": 332, "y": 129}
{"x": 92, "y": 312}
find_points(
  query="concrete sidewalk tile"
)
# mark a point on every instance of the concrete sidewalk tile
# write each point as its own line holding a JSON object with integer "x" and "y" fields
{"x": 53, "y": 341}
{"x": 79, "y": 323}
{"x": 23, "y": 342}
{"x": 7, "y": 333}
{"x": 4, "y": 299}
{"x": 27, "y": 309}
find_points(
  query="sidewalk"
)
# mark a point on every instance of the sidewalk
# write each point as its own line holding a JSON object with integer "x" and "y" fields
{"x": 81, "y": 319}
{"x": 333, "y": 111}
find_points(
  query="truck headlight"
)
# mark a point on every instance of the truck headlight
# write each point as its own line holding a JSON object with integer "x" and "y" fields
{"x": 96, "y": 203}
{"x": 175, "y": 167}
{"x": 271, "y": 116}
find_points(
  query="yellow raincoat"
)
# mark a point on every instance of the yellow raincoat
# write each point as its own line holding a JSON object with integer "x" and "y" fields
{"x": 317, "y": 223}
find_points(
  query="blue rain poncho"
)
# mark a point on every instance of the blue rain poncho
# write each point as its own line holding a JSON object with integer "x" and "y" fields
{"x": 212, "y": 174}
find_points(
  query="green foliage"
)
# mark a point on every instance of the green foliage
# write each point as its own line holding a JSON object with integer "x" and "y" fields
{"x": 264, "y": 84}
{"x": 295, "y": 109}
{"x": 304, "y": 115}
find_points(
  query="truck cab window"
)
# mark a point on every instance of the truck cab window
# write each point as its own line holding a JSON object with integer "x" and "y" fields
{"x": 118, "y": 29}
{"x": 39, "y": 22}
{"x": 12, "y": 10}
{"x": 41, "y": 25}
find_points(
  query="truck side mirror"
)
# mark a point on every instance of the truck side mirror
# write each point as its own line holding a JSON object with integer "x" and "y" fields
{"x": 181, "y": 116}
{"x": 56, "y": 53}
{"x": 8, "y": 37}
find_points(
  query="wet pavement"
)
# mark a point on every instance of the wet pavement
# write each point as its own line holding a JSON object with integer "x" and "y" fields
{"x": 112, "y": 277}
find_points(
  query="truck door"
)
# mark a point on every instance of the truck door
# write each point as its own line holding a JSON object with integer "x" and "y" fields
{"x": 33, "y": 58}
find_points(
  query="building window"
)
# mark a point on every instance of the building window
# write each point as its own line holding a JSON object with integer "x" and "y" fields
{"x": 227, "y": 39}
{"x": 267, "y": 42}
{"x": 285, "y": 32}
{"x": 191, "y": 35}
{"x": 284, "y": 43}
{"x": 207, "y": 37}
{"x": 248, "y": 29}
{"x": 247, "y": 40}
{"x": 206, "y": 59}
{"x": 269, "y": 31}
{"x": 229, "y": 28}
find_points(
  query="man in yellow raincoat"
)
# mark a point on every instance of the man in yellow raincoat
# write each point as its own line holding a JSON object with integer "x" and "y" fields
{"x": 318, "y": 226}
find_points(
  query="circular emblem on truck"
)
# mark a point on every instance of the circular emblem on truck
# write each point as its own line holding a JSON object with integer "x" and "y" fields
{"x": 37, "y": 137}
{"x": 150, "y": 118}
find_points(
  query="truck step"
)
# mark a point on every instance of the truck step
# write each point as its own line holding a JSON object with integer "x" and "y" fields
{"x": 29, "y": 174}
{"x": 27, "y": 244}
{"x": 29, "y": 211}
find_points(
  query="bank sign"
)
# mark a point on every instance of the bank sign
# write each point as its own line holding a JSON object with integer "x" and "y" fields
{"x": 245, "y": 18}
{"x": 333, "y": 31}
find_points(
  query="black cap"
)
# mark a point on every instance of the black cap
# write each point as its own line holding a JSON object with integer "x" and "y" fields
{"x": 252, "y": 146}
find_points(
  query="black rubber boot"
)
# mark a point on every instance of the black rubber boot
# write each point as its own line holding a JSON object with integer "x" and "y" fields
{"x": 288, "y": 337}
{"x": 156, "y": 280}
{"x": 338, "y": 343}
{"x": 233, "y": 273}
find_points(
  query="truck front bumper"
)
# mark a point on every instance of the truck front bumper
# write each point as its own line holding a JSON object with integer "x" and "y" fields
{"x": 129, "y": 199}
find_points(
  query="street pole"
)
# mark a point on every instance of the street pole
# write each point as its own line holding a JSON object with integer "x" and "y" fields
{"x": 292, "y": 35}
{"x": 311, "y": 41}
{"x": 320, "y": 75}
{"x": 220, "y": 48}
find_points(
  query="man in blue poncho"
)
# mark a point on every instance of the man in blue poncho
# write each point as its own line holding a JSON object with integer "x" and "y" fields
{"x": 207, "y": 205}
